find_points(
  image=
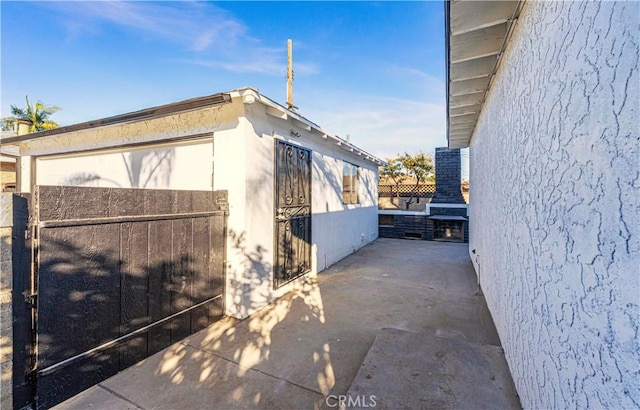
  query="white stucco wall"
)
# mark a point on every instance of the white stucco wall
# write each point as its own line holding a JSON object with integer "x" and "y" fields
{"x": 337, "y": 229}
{"x": 184, "y": 165}
{"x": 554, "y": 213}
{"x": 235, "y": 144}
{"x": 151, "y": 156}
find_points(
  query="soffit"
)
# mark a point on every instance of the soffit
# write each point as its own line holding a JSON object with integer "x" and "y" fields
{"x": 477, "y": 33}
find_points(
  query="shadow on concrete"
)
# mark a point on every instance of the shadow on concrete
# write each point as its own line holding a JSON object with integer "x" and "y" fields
{"x": 310, "y": 344}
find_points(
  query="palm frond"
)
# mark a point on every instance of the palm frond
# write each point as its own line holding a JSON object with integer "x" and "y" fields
{"x": 50, "y": 109}
{"x": 48, "y": 125}
{"x": 18, "y": 112}
{"x": 37, "y": 113}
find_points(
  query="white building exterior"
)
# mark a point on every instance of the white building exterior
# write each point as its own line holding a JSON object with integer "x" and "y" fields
{"x": 228, "y": 144}
{"x": 555, "y": 191}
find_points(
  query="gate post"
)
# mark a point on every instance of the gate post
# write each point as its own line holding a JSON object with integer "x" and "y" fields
{"x": 15, "y": 321}
{"x": 6, "y": 312}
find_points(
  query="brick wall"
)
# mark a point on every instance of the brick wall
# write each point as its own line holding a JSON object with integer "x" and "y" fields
{"x": 419, "y": 226}
{"x": 435, "y": 210}
{"x": 414, "y": 225}
{"x": 448, "y": 178}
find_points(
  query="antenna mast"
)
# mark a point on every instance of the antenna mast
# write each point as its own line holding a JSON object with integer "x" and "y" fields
{"x": 290, "y": 75}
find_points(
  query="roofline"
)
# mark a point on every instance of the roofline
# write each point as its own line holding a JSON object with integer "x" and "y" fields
{"x": 447, "y": 29}
{"x": 462, "y": 138}
{"x": 242, "y": 92}
{"x": 191, "y": 104}
{"x": 172, "y": 108}
{"x": 310, "y": 126}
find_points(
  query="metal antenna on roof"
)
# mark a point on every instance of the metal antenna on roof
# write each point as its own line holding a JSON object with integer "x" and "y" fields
{"x": 290, "y": 75}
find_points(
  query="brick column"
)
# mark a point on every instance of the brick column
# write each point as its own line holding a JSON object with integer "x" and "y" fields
{"x": 448, "y": 173}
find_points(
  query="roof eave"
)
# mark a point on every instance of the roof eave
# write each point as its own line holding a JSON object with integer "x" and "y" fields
{"x": 147, "y": 113}
{"x": 285, "y": 113}
{"x": 476, "y": 36}
{"x": 447, "y": 29}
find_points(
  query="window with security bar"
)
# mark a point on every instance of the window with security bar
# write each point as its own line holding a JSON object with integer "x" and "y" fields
{"x": 350, "y": 183}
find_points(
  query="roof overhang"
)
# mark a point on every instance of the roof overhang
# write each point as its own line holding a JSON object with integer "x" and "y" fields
{"x": 251, "y": 95}
{"x": 476, "y": 36}
{"x": 147, "y": 113}
{"x": 9, "y": 151}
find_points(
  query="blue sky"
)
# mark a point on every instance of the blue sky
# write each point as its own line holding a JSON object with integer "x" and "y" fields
{"x": 373, "y": 70}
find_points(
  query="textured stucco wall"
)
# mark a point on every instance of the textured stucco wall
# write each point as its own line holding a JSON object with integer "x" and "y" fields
{"x": 555, "y": 211}
{"x": 6, "y": 312}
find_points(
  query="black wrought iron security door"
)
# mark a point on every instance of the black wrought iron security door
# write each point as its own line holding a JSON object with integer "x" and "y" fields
{"x": 292, "y": 212}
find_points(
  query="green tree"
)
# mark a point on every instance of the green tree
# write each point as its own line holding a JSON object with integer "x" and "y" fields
{"x": 394, "y": 171}
{"x": 38, "y": 113}
{"x": 418, "y": 167}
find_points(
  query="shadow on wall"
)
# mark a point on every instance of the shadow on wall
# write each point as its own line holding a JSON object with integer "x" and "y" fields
{"x": 150, "y": 168}
{"x": 369, "y": 183}
{"x": 333, "y": 179}
{"x": 251, "y": 281}
{"x": 326, "y": 176}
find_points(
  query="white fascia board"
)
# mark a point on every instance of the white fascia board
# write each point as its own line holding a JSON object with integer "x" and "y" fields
{"x": 278, "y": 111}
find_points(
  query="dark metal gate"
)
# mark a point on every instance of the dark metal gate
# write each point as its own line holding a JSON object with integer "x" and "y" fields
{"x": 293, "y": 212}
{"x": 119, "y": 274}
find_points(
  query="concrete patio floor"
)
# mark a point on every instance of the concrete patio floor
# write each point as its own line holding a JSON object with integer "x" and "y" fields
{"x": 414, "y": 299}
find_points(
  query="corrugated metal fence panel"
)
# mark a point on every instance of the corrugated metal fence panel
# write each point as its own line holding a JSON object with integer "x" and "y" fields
{"x": 122, "y": 274}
